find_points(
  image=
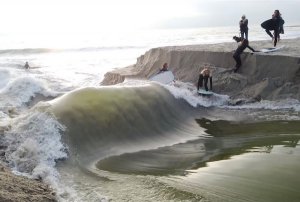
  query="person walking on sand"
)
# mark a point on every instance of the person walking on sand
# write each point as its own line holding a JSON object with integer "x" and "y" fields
{"x": 243, "y": 44}
{"x": 244, "y": 27}
{"x": 204, "y": 76}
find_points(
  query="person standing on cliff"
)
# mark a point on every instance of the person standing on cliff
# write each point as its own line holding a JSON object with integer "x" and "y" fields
{"x": 205, "y": 75}
{"x": 243, "y": 44}
{"x": 244, "y": 27}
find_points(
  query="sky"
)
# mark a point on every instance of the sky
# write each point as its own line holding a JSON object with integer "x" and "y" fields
{"x": 113, "y": 15}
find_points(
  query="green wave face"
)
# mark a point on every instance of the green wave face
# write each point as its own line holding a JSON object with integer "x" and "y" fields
{"x": 110, "y": 121}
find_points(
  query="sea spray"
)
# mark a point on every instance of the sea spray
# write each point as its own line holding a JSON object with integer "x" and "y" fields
{"x": 21, "y": 90}
{"x": 188, "y": 92}
{"x": 283, "y": 104}
{"x": 4, "y": 77}
{"x": 34, "y": 145}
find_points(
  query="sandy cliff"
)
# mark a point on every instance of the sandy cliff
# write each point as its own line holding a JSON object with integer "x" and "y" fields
{"x": 270, "y": 76}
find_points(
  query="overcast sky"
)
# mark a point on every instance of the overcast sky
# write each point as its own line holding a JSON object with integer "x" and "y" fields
{"x": 99, "y": 15}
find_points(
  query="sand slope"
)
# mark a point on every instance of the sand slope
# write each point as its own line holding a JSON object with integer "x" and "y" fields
{"x": 270, "y": 76}
{"x": 20, "y": 189}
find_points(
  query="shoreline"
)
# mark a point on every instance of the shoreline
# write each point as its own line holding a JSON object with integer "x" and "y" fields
{"x": 270, "y": 76}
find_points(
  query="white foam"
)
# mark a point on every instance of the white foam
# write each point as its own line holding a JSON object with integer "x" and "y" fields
{"x": 34, "y": 145}
{"x": 19, "y": 91}
{"x": 286, "y": 104}
{"x": 188, "y": 92}
{"x": 4, "y": 77}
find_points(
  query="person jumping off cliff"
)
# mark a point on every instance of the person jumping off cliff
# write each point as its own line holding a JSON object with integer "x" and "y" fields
{"x": 276, "y": 24}
{"x": 243, "y": 44}
{"x": 205, "y": 74}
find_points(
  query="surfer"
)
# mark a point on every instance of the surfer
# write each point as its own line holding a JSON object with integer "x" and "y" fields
{"x": 164, "y": 68}
{"x": 244, "y": 27}
{"x": 243, "y": 44}
{"x": 205, "y": 74}
{"x": 26, "y": 66}
{"x": 276, "y": 24}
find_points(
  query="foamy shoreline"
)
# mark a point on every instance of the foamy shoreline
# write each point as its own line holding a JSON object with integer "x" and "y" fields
{"x": 270, "y": 76}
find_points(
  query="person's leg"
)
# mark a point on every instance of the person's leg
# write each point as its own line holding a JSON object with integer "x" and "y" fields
{"x": 200, "y": 82}
{"x": 242, "y": 34}
{"x": 205, "y": 82}
{"x": 238, "y": 61}
{"x": 276, "y": 34}
{"x": 246, "y": 34}
{"x": 269, "y": 33}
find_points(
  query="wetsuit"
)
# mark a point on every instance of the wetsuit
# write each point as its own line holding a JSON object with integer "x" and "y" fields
{"x": 237, "y": 54}
{"x": 276, "y": 24}
{"x": 205, "y": 79}
{"x": 244, "y": 28}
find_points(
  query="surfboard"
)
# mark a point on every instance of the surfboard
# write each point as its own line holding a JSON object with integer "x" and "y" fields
{"x": 165, "y": 77}
{"x": 267, "y": 50}
{"x": 270, "y": 24}
{"x": 204, "y": 92}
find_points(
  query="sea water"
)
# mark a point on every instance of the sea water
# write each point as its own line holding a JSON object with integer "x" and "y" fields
{"x": 139, "y": 141}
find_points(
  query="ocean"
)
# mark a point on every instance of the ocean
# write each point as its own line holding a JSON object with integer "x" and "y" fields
{"x": 139, "y": 141}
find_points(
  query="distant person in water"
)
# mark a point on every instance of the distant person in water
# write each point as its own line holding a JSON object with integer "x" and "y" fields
{"x": 204, "y": 76}
{"x": 243, "y": 44}
{"x": 276, "y": 24}
{"x": 164, "y": 68}
{"x": 26, "y": 66}
{"x": 244, "y": 27}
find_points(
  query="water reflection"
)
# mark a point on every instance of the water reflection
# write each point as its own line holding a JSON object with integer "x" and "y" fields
{"x": 227, "y": 139}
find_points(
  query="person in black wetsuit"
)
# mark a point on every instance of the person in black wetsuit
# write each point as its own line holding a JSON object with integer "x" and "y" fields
{"x": 278, "y": 27}
{"x": 26, "y": 66}
{"x": 164, "y": 68}
{"x": 244, "y": 43}
{"x": 276, "y": 24}
{"x": 244, "y": 27}
{"x": 205, "y": 75}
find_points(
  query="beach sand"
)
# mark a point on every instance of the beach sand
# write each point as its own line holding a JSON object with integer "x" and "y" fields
{"x": 21, "y": 189}
{"x": 271, "y": 76}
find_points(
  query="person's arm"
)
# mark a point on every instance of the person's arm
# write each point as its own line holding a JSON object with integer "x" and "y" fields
{"x": 250, "y": 48}
{"x": 210, "y": 82}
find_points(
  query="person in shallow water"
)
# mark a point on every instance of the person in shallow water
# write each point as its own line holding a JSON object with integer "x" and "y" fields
{"x": 204, "y": 76}
{"x": 243, "y": 44}
{"x": 26, "y": 66}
